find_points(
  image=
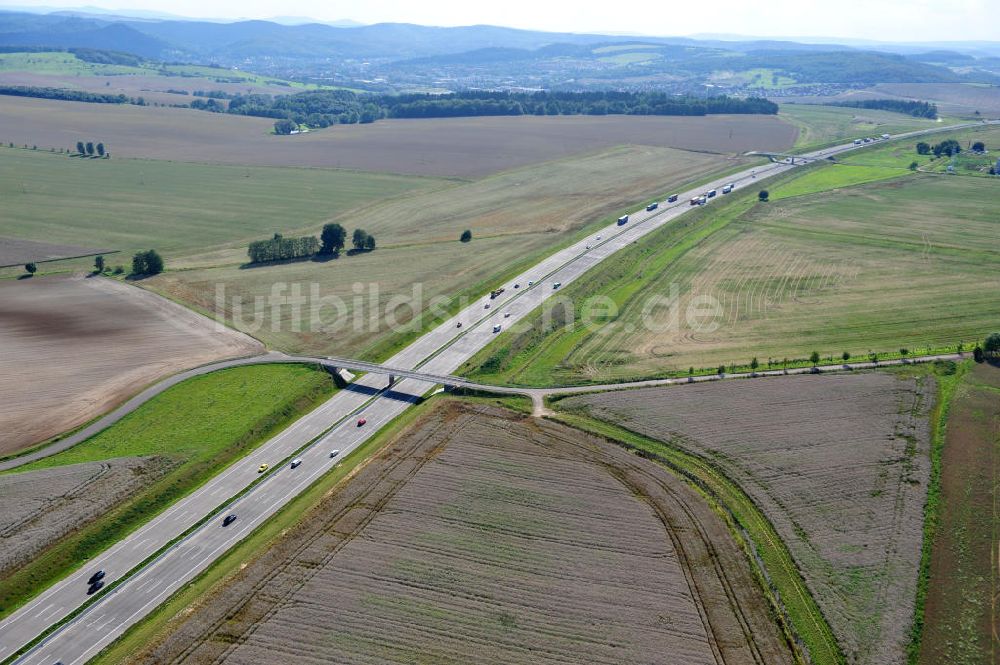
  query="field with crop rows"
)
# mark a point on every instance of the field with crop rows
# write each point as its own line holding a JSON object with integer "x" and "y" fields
{"x": 481, "y": 536}
{"x": 838, "y": 464}
{"x": 40, "y": 507}
{"x": 960, "y": 623}
{"x": 824, "y": 125}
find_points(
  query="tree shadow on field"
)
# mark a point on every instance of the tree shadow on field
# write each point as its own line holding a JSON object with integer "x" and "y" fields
{"x": 25, "y": 276}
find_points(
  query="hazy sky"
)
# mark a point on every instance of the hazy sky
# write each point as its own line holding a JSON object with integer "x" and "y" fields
{"x": 886, "y": 20}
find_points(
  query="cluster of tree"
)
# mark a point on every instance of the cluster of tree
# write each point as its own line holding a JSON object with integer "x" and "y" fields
{"x": 213, "y": 94}
{"x": 90, "y": 148}
{"x": 68, "y": 95}
{"x": 914, "y": 108}
{"x": 104, "y": 57}
{"x": 146, "y": 263}
{"x": 210, "y": 104}
{"x": 280, "y": 248}
{"x": 331, "y": 241}
{"x": 285, "y": 126}
{"x": 329, "y": 107}
{"x": 948, "y": 147}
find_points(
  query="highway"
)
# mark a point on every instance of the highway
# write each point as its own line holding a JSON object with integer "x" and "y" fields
{"x": 174, "y": 547}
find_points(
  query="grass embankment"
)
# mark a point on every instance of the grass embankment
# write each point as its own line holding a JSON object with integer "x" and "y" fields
{"x": 821, "y": 126}
{"x": 202, "y": 425}
{"x": 159, "y": 622}
{"x": 800, "y": 613}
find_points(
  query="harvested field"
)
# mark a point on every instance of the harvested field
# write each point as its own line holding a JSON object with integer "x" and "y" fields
{"x": 15, "y": 251}
{"x": 87, "y": 344}
{"x": 514, "y": 216}
{"x": 480, "y": 536}
{"x": 955, "y": 99}
{"x": 40, "y": 507}
{"x": 961, "y": 615}
{"x": 911, "y": 263}
{"x": 457, "y": 147}
{"x": 839, "y": 464}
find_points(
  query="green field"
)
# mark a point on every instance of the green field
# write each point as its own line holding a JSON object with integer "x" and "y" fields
{"x": 177, "y": 208}
{"x": 826, "y": 125}
{"x": 202, "y": 424}
{"x": 911, "y": 263}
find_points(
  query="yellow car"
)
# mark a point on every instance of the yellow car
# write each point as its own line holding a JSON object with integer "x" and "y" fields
{"x": 262, "y": 468}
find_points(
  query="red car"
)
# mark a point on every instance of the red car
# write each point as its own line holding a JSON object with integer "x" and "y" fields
{"x": 361, "y": 422}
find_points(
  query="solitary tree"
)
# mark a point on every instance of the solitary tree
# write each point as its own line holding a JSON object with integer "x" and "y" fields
{"x": 99, "y": 263}
{"x": 359, "y": 238}
{"x": 754, "y": 364}
{"x": 977, "y": 354}
{"x": 721, "y": 370}
{"x": 978, "y": 146}
{"x": 846, "y": 356}
{"x": 873, "y": 357}
{"x": 763, "y": 195}
{"x": 147, "y": 263}
{"x": 333, "y": 238}
{"x": 992, "y": 345}
{"x": 466, "y": 235}
{"x": 370, "y": 243}
{"x": 31, "y": 268}
{"x": 814, "y": 357}
{"x": 100, "y": 149}
{"x": 80, "y": 148}
{"x": 90, "y": 148}
{"x": 914, "y": 166}
{"x": 923, "y": 148}
{"x": 904, "y": 352}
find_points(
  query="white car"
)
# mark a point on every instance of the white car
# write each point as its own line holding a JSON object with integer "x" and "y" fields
{"x": 496, "y": 328}
{"x": 506, "y": 315}
{"x": 487, "y": 306}
{"x": 334, "y": 453}
{"x": 598, "y": 237}
{"x": 296, "y": 462}
{"x": 530, "y": 283}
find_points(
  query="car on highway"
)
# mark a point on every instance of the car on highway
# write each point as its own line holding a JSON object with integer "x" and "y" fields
{"x": 652, "y": 206}
{"x": 458, "y": 325}
{"x": 229, "y": 519}
{"x": 710, "y": 193}
{"x": 672, "y": 198}
{"x": 496, "y": 328}
{"x": 362, "y": 421}
{"x": 517, "y": 286}
{"x": 99, "y": 575}
{"x": 262, "y": 468}
{"x": 506, "y": 315}
{"x": 334, "y": 453}
{"x": 598, "y": 238}
{"x": 296, "y": 462}
{"x": 728, "y": 188}
{"x": 95, "y": 587}
{"x": 556, "y": 285}
{"x": 530, "y": 283}
{"x": 588, "y": 246}
{"x": 487, "y": 306}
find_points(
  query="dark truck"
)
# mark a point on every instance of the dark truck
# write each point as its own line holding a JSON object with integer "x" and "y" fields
{"x": 496, "y": 292}
{"x": 623, "y": 220}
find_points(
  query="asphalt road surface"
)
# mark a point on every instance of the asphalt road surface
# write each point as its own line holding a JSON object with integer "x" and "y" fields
{"x": 174, "y": 552}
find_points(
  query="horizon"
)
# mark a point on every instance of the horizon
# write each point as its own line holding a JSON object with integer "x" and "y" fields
{"x": 734, "y": 22}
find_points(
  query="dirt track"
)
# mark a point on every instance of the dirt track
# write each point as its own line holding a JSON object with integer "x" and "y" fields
{"x": 482, "y": 536}
{"x": 73, "y": 347}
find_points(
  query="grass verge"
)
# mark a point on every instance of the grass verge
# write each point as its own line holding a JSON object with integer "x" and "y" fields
{"x": 203, "y": 424}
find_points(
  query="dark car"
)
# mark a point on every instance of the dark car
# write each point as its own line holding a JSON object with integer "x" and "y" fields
{"x": 95, "y": 587}
{"x": 652, "y": 206}
{"x": 229, "y": 520}
{"x": 671, "y": 198}
{"x": 99, "y": 575}
{"x": 361, "y": 422}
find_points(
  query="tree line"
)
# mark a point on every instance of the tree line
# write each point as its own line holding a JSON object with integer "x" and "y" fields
{"x": 331, "y": 242}
{"x": 322, "y": 108}
{"x": 68, "y": 95}
{"x": 915, "y": 108}
{"x": 90, "y": 149}
{"x": 949, "y": 147}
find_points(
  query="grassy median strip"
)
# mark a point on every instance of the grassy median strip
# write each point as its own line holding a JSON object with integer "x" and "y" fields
{"x": 203, "y": 425}
{"x": 808, "y": 624}
{"x": 159, "y": 622}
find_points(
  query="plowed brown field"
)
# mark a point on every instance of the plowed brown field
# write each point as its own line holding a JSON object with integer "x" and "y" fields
{"x": 480, "y": 536}
{"x": 839, "y": 464}
{"x": 71, "y": 348}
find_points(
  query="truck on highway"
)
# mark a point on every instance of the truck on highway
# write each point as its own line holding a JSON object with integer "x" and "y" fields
{"x": 623, "y": 220}
{"x": 710, "y": 193}
{"x": 496, "y": 292}
{"x": 885, "y": 137}
{"x": 728, "y": 188}
{"x": 695, "y": 200}
{"x": 671, "y": 198}
{"x": 652, "y": 206}
{"x": 857, "y": 141}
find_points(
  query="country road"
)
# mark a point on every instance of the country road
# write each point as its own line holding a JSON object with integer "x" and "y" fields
{"x": 174, "y": 547}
